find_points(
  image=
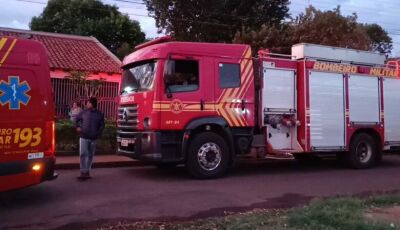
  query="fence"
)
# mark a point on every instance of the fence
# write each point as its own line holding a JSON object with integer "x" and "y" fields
{"x": 66, "y": 92}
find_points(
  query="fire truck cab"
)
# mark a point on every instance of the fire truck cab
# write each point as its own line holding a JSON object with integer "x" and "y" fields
{"x": 204, "y": 104}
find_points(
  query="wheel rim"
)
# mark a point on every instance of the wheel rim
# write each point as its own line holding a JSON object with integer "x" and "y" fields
{"x": 364, "y": 151}
{"x": 209, "y": 156}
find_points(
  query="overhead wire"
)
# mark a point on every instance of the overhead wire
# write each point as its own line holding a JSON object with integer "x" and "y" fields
{"x": 142, "y": 15}
{"x": 390, "y": 30}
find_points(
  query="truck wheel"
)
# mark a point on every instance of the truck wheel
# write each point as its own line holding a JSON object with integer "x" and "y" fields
{"x": 363, "y": 152}
{"x": 208, "y": 156}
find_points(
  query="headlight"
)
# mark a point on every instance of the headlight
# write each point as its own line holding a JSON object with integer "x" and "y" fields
{"x": 146, "y": 122}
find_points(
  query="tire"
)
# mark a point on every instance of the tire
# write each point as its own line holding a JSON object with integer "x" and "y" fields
{"x": 208, "y": 156}
{"x": 363, "y": 152}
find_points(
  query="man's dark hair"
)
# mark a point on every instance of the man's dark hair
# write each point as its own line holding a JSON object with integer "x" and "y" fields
{"x": 93, "y": 101}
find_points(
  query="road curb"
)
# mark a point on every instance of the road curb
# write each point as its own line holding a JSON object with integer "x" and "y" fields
{"x": 113, "y": 164}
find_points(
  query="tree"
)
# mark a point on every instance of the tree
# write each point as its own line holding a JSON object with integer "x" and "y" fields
{"x": 329, "y": 28}
{"x": 90, "y": 18}
{"x": 380, "y": 40}
{"x": 214, "y": 20}
{"x": 85, "y": 88}
{"x": 318, "y": 27}
{"x": 278, "y": 39}
{"x": 124, "y": 49}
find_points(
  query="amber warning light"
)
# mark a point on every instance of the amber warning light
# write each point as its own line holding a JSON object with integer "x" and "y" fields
{"x": 36, "y": 167}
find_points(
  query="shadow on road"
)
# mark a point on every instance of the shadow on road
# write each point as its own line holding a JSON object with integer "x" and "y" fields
{"x": 127, "y": 178}
{"x": 245, "y": 168}
{"x": 26, "y": 197}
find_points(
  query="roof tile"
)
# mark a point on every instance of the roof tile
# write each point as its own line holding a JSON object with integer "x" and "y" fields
{"x": 70, "y": 52}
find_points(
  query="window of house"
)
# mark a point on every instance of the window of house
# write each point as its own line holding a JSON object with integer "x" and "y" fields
{"x": 229, "y": 75}
{"x": 182, "y": 76}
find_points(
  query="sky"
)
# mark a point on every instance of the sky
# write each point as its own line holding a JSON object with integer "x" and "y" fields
{"x": 18, "y": 13}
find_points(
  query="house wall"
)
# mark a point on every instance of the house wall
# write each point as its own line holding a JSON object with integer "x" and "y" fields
{"x": 93, "y": 76}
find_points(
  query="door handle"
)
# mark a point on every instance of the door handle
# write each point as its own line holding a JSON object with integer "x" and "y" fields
{"x": 201, "y": 104}
{"x": 243, "y": 104}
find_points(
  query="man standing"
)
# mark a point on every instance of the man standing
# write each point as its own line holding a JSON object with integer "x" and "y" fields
{"x": 90, "y": 126}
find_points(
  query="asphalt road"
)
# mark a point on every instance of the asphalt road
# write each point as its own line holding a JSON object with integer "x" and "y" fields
{"x": 139, "y": 193}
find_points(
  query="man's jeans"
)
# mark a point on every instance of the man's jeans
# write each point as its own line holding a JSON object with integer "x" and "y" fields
{"x": 86, "y": 150}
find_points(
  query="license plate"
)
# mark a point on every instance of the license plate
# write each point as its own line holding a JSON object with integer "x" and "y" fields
{"x": 35, "y": 155}
{"x": 126, "y": 142}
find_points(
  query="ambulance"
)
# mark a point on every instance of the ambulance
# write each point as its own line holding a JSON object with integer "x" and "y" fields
{"x": 27, "y": 128}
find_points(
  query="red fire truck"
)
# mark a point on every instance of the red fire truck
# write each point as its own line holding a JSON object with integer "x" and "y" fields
{"x": 26, "y": 115}
{"x": 205, "y": 104}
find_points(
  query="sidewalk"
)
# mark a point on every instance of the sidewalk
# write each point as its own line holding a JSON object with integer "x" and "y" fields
{"x": 100, "y": 161}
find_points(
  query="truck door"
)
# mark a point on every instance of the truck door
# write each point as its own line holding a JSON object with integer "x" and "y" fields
{"x": 187, "y": 91}
{"x": 234, "y": 90}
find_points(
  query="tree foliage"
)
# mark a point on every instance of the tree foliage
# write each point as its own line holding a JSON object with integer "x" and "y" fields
{"x": 318, "y": 27}
{"x": 91, "y": 88}
{"x": 330, "y": 28}
{"x": 278, "y": 39}
{"x": 214, "y": 20}
{"x": 380, "y": 40}
{"x": 90, "y": 18}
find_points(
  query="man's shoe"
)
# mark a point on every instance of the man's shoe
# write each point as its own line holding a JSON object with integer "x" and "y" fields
{"x": 87, "y": 175}
{"x": 83, "y": 176}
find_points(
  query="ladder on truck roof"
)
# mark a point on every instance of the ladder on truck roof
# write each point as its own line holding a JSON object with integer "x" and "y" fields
{"x": 336, "y": 54}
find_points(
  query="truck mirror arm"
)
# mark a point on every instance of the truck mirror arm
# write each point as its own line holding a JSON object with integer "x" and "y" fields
{"x": 169, "y": 93}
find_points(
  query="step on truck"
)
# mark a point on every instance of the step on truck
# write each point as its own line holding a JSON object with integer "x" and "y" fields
{"x": 204, "y": 105}
{"x": 27, "y": 128}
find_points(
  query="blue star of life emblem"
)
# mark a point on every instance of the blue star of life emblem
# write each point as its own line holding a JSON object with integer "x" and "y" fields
{"x": 14, "y": 93}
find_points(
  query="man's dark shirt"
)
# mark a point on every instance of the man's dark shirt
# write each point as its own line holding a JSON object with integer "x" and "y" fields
{"x": 91, "y": 122}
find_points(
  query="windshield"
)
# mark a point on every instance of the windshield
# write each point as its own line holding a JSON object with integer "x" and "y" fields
{"x": 139, "y": 77}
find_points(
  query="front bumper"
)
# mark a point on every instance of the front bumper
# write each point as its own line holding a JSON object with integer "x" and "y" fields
{"x": 18, "y": 167}
{"x": 157, "y": 147}
{"x": 19, "y": 174}
{"x": 140, "y": 145}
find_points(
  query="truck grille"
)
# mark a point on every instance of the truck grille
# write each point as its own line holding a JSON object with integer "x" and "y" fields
{"x": 128, "y": 118}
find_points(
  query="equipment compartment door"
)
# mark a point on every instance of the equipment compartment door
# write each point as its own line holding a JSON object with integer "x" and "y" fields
{"x": 364, "y": 99}
{"x": 391, "y": 97}
{"x": 279, "y": 100}
{"x": 327, "y": 110}
{"x": 279, "y": 89}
